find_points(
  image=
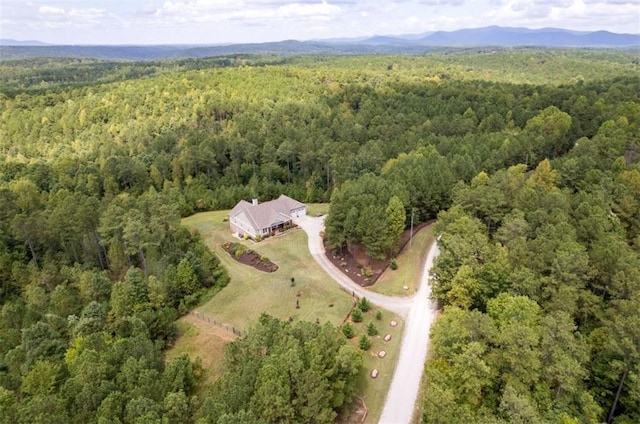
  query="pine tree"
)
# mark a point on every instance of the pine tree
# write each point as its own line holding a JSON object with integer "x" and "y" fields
{"x": 395, "y": 219}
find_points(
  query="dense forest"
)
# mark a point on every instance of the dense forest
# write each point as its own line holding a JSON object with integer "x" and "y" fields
{"x": 529, "y": 159}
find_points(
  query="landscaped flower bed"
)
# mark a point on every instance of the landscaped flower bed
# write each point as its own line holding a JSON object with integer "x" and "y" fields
{"x": 246, "y": 256}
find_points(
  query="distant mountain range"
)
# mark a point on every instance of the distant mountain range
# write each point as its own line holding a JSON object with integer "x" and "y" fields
{"x": 409, "y": 43}
{"x": 10, "y": 42}
{"x": 548, "y": 37}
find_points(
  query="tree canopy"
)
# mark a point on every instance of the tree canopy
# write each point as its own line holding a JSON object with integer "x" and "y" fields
{"x": 532, "y": 153}
{"x": 537, "y": 272}
{"x": 282, "y": 372}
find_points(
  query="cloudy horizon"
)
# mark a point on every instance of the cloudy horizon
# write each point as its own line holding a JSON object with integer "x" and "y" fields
{"x": 244, "y": 21}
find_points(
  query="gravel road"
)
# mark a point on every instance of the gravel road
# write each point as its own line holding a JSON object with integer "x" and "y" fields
{"x": 403, "y": 393}
{"x": 418, "y": 311}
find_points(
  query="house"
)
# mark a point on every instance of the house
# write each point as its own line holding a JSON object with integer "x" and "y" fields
{"x": 262, "y": 219}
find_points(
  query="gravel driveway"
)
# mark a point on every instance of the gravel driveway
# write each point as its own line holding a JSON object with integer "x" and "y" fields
{"x": 418, "y": 311}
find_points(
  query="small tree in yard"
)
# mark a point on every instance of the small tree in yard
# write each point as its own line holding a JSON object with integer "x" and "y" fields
{"x": 348, "y": 331}
{"x": 356, "y": 315}
{"x": 364, "y": 304}
{"x": 379, "y": 315}
{"x": 372, "y": 330}
{"x": 393, "y": 264}
{"x": 364, "y": 342}
{"x": 293, "y": 281}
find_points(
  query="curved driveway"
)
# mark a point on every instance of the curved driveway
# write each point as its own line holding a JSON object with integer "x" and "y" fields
{"x": 418, "y": 311}
{"x": 313, "y": 227}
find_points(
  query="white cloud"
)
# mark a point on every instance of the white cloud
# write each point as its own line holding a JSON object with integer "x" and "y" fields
{"x": 205, "y": 21}
{"x": 254, "y": 11}
{"x": 313, "y": 10}
{"x": 79, "y": 18}
{"x": 632, "y": 2}
{"x": 442, "y": 2}
{"x": 572, "y": 14}
{"x": 50, "y": 10}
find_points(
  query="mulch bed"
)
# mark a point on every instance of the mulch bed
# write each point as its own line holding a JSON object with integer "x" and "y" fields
{"x": 345, "y": 262}
{"x": 249, "y": 257}
{"x": 352, "y": 267}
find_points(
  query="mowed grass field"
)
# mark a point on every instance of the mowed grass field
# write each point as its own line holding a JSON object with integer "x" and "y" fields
{"x": 410, "y": 262}
{"x": 251, "y": 292}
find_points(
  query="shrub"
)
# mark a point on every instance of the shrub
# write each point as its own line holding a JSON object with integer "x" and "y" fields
{"x": 372, "y": 330}
{"x": 379, "y": 315}
{"x": 238, "y": 250}
{"x": 348, "y": 330}
{"x": 364, "y": 342}
{"x": 364, "y": 304}
{"x": 367, "y": 272}
{"x": 393, "y": 264}
{"x": 356, "y": 315}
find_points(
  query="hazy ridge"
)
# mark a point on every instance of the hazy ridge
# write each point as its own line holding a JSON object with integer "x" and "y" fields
{"x": 380, "y": 44}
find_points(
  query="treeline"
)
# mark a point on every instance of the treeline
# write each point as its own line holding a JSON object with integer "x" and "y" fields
{"x": 373, "y": 210}
{"x": 95, "y": 268}
{"x": 424, "y": 178}
{"x": 207, "y": 138}
{"x": 539, "y": 275}
{"x": 539, "y": 265}
{"x": 46, "y": 74}
{"x": 282, "y": 372}
{"x": 90, "y": 293}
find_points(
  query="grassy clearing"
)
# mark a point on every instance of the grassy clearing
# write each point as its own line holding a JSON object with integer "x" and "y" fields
{"x": 410, "y": 263}
{"x": 197, "y": 338}
{"x": 374, "y": 391}
{"x": 252, "y": 292}
{"x": 313, "y": 209}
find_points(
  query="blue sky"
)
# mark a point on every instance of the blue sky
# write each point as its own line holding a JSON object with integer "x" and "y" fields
{"x": 239, "y": 21}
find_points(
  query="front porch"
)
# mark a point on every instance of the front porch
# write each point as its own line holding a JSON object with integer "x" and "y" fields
{"x": 279, "y": 227}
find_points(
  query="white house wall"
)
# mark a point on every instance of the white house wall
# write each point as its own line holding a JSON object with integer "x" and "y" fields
{"x": 241, "y": 224}
{"x": 296, "y": 213}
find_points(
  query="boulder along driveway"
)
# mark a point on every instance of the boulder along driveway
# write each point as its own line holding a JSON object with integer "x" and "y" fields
{"x": 418, "y": 311}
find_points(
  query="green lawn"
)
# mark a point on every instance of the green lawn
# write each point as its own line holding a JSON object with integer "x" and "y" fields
{"x": 195, "y": 338}
{"x": 252, "y": 292}
{"x": 410, "y": 263}
{"x": 314, "y": 209}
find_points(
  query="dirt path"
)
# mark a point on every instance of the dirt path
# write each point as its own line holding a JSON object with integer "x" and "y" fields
{"x": 418, "y": 311}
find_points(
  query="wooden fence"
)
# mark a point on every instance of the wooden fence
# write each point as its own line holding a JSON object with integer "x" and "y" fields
{"x": 228, "y": 328}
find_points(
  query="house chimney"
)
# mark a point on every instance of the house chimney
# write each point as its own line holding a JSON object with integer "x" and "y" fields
{"x": 254, "y": 201}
